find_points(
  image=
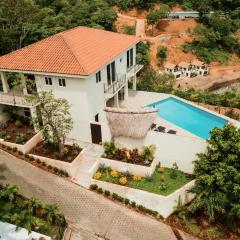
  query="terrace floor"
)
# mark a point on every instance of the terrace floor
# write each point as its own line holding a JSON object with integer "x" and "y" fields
{"x": 140, "y": 99}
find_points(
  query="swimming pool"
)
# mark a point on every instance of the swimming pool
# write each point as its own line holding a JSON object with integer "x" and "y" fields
{"x": 188, "y": 117}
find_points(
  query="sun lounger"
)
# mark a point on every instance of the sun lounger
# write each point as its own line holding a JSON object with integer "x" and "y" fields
{"x": 172, "y": 132}
{"x": 153, "y": 126}
{"x": 160, "y": 129}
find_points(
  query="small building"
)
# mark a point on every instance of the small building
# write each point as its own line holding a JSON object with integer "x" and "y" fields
{"x": 171, "y": 68}
{"x": 200, "y": 67}
{"x": 185, "y": 68}
{"x": 184, "y": 14}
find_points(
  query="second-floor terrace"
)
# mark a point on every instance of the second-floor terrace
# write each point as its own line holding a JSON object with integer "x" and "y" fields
{"x": 14, "y": 89}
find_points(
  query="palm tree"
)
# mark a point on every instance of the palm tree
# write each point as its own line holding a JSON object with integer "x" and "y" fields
{"x": 52, "y": 212}
{"x": 33, "y": 205}
{"x": 9, "y": 192}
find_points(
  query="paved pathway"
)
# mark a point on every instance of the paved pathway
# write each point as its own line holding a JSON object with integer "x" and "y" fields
{"x": 91, "y": 215}
{"x": 88, "y": 211}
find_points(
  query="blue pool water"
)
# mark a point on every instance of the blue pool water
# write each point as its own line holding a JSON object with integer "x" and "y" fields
{"x": 188, "y": 117}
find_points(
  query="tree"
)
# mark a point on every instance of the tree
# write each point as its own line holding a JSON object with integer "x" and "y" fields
{"x": 151, "y": 80}
{"x": 155, "y": 15}
{"x": 217, "y": 172}
{"x": 56, "y": 118}
{"x": 162, "y": 53}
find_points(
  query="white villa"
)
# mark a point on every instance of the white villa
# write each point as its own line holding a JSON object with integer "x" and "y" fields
{"x": 88, "y": 67}
{"x": 171, "y": 68}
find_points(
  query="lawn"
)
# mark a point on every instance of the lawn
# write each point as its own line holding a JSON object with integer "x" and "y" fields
{"x": 162, "y": 183}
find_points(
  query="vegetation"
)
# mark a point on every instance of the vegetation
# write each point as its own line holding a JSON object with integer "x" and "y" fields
{"x": 30, "y": 213}
{"x": 160, "y": 182}
{"x": 151, "y": 80}
{"x": 155, "y": 15}
{"x": 215, "y": 39}
{"x": 143, "y": 157}
{"x": 143, "y": 55}
{"x": 26, "y": 21}
{"x": 215, "y": 211}
{"x": 162, "y": 53}
{"x": 217, "y": 174}
{"x": 130, "y": 30}
{"x": 56, "y": 118}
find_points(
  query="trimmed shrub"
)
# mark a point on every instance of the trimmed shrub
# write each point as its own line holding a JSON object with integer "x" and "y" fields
{"x": 49, "y": 167}
{"x": 133, "y": 204}
{"x": 9, "y": 148}
{"x": 126, "y": 201}
{"x": 97, "y": 175}
{"x": 14, "y": 149}
{"x": 31, "y": 158}
{"x": 114, "y": 196}
{"x": 93, "y": 187}
{"x": 38, "y": 161}
{"x": 107, "y": 193}
{"x": 20, "y": 152}
{"x": 100, "y": 190}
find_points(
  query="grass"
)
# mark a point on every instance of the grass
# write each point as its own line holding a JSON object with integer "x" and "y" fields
{"x": 155, "y": 183}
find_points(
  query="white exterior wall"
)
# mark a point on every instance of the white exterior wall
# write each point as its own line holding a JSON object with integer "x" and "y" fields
{"x": 86, "y": 97}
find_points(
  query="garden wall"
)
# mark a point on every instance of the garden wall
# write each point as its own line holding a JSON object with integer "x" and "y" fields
{"x": 163, "y": 204}
{"x": 30, "y": 144}
{"x": 132, "y": 168}
{"x": 170, "y": 148}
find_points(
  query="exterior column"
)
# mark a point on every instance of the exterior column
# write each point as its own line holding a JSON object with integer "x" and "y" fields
{"x": 116, "y": 100}
{"x": 135, "y": 82}
{"x": 126, "y": 91}
{"x": 23, "y": 80}
{"x": 4, "y": 82}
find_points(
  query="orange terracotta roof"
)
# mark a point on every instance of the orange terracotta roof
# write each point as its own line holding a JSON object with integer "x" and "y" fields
{"x": 79, "y": 51}
{"x": 184, "y": 64}
{"x": 170, "y": 65}
{"x": 197, "y": 63}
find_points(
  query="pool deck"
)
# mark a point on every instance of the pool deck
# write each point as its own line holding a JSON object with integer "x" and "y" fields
{"x": 140, "y": 99}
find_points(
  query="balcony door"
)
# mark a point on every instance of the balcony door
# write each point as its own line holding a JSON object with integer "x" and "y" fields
{"x": 130, "y": 58}
{"x": 111, "y": 73}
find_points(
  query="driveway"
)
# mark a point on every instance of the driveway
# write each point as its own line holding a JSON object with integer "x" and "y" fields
{"x": 91, "y": 216}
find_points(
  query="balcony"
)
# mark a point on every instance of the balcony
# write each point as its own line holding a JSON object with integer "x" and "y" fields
{"x": 111, "y": 90}
{"x": 13, "y": 99}
{"x": 133, "y": 70}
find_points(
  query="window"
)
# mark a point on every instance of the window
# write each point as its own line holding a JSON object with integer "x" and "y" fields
{"x": 130, "y": 58}
{"x": 96, "y": 118}
{"x": 62, "y": 82}
{"x": 111, "y": 73}
{"x": 98, "y": 77}
{"x": 27, "y": 112}
{"x": 48, "y": 81}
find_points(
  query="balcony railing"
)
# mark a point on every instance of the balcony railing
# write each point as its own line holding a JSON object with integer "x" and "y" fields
{"x": 13, "y": 99}
{"x": 116, "y": 85}
{"x": 134, "y": 69}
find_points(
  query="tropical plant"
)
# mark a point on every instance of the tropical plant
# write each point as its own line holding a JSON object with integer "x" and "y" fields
{"x": 148, "y": 153}
{"x": 51, "y": 212}
{"x": 109, "y": 148}
{"x": 20, "y": 138}
{"x": 217, "y": 172}
{"x": 8, "y": 192}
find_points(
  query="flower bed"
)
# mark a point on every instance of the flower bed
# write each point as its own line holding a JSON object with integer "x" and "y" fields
{"x": 51, "y": 151}
{"x": 34, "y": 161}
{"x": 159, "y": 192}
{"x": 16, "y": 132}
{"x": 134, "y": 156}
{"x": 163, "y": 181}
